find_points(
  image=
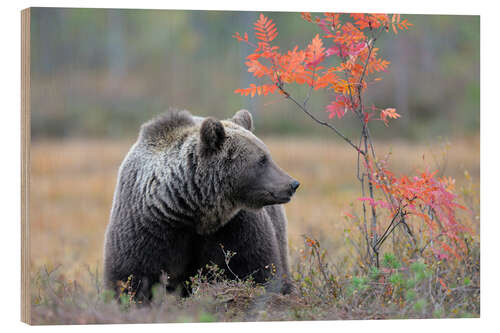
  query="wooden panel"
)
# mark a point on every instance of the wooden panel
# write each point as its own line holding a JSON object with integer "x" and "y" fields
{"x": 25, "y": 165}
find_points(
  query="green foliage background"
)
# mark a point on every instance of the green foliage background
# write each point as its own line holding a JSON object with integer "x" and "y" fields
{"x": 102, "y": 72}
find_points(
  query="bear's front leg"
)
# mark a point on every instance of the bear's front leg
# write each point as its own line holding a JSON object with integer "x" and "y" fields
{"x": 278, "y": 217}
{"x": 251, "y": 236}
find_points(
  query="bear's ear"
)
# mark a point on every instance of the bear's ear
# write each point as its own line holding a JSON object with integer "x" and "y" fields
{"x": 244, "y": 119}
{"x": 212, "y": 135}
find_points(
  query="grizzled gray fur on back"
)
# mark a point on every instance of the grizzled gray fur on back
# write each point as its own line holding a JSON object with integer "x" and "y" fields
{"x": 187, "y": 185}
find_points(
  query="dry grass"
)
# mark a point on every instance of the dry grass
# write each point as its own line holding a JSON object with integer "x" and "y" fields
{"x": 72, "y": 184}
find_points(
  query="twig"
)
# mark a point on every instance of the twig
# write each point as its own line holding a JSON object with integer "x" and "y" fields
{"x": 330, "y": 126}
{"x": 310, "y": 88}
{"x": 357, "y": 164}
{"x": 386, "y": 232}
{"x": 321, "y": 268}
{"x": 429, "y": 242}
{"x": 227, "y": 257}
{"x": 370, "y": 189}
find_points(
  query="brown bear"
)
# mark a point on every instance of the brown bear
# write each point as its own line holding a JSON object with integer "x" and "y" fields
{"x": 186, "y": 187}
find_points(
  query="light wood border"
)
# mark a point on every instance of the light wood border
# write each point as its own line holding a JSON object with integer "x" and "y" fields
{"x": 25, "y": 163}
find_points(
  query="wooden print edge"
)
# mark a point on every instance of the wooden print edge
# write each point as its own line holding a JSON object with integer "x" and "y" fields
{"x": 25, "y": 163}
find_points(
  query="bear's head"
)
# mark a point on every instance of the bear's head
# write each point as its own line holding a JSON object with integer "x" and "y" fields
{"x": 201, "y": 172}
{"x": 243, "y": 162}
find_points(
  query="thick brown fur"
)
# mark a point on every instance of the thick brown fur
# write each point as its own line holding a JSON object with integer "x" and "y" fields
{"x": 188, "y": 185}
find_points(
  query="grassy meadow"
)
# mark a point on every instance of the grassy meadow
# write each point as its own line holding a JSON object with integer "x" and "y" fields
{"x": 71, "y": 190}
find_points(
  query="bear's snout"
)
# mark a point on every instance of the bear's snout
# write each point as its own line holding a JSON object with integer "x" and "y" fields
{"x": 294, "y": 186}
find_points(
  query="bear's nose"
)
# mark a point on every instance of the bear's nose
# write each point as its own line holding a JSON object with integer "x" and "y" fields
{"x": 294, "y": 185}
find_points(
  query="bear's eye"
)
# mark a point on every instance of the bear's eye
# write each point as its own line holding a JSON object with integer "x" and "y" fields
{"x": 263, "y": 160}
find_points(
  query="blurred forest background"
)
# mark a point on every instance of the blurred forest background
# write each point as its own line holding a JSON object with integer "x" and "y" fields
{"x": 102, "y": 72}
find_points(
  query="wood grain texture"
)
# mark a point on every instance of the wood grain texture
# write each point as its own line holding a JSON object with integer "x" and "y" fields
{"x": 25, "y": 164}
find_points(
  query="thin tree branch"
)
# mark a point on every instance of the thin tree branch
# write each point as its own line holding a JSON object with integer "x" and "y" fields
{"x": 330, "y": 126}
{"x": 358, "y": 162}
{"x": 310, "y": 88}
{"x": 387, "y": 232}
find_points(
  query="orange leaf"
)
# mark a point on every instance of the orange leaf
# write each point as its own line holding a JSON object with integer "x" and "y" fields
{"x": 315, "y": 51}
{"x": 265, "y": 29}
{"x": 306, "y": 16}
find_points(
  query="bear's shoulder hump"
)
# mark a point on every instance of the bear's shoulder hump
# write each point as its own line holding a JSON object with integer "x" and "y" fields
{"x": 162, "y": 126}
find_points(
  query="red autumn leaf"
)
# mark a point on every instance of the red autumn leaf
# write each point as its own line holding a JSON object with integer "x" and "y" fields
{"x": 323, "y": 25}
{"x": 338, "y": 107}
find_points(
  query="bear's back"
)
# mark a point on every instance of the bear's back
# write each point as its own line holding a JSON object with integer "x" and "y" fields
{"x": 129, "y": 225}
